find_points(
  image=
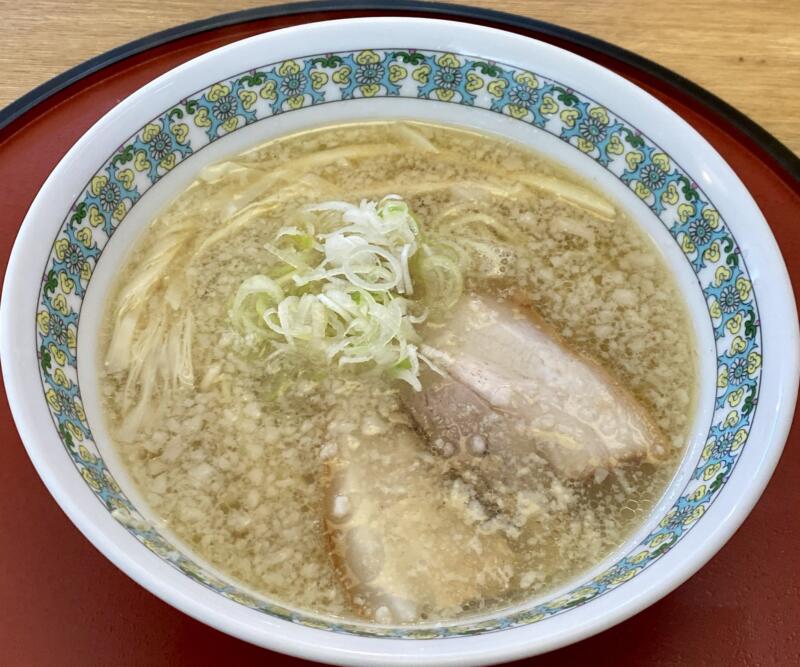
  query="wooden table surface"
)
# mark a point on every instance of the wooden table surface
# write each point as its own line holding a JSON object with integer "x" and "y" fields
{"x": 745, "y": 51}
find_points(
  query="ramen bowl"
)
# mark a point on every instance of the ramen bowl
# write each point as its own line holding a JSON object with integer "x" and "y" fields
{"x": 654, "y": 165}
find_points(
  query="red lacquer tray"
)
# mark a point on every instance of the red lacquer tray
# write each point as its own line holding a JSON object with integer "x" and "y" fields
{"x": 64, "y": 604}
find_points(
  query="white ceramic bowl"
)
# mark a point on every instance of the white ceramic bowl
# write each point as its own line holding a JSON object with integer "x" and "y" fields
{"x": 654, "y": 164}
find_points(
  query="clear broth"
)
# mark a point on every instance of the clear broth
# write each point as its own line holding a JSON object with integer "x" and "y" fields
{"x": 234, "y": 466}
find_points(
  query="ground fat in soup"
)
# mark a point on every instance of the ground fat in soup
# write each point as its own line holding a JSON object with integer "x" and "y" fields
{"x": 397, "y": 372}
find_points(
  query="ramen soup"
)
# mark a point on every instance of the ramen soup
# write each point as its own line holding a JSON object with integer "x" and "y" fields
{"x": 397, "y": 372}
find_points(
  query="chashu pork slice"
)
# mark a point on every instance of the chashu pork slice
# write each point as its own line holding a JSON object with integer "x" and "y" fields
{"x": 510, "y": 384}
{"x": 401, "y": 545}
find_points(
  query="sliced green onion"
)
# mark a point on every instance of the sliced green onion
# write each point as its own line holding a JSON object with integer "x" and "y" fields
{"x": 341, "y": 284}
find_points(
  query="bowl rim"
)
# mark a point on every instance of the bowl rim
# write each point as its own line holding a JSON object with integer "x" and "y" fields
{"x": 139, "y": 573}
{"x": 778, "y": 151}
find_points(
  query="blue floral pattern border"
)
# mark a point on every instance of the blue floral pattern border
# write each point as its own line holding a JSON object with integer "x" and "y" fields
{"x": 224, "y": 107}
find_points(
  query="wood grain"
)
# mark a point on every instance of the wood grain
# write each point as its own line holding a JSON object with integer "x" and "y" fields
{"x": 745, "y": 51}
